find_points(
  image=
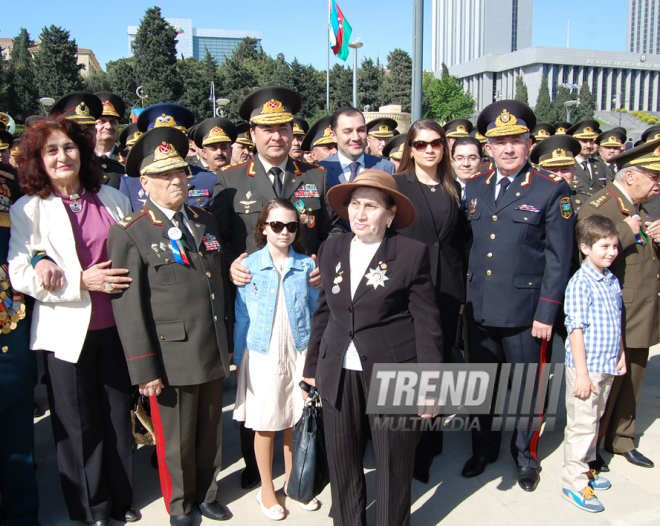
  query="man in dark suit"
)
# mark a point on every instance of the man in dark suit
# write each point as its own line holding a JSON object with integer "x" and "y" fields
{"x": 349, "y": 131}
{"x": 591, "y": 174}
{"x": 174, "y": 321}
{"x": 522, "y": 240}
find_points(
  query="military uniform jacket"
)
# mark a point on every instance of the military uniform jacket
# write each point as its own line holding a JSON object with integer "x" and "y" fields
{"x": 173, "y": 319}
{"x": 636, "y": 267}
{"x": 243, "y": 189}
{"x": 583, "y": 185}
{"x": 521, "y": 248}
{"x": 112, "y": 171}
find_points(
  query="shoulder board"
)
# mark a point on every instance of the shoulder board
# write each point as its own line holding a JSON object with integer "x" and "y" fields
{"x": 232, "y": 166}
{"x": 196, "y": 211}
{"x": 311, "y": 165}
{"x": 130, "y": 219}
{"x": 548, "y": 175}
{"x": 8, "y": 175}
{"x": 599, "y": 201}
{"x": 481, "y": 174}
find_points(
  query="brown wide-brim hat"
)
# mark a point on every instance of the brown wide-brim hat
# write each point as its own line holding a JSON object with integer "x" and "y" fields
{"x": 339, "y": 195}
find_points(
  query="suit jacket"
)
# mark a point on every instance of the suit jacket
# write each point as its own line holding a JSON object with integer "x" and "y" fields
{"x": 61, "y": 318}
{"x": 395, "y": 323}
{"x": 333, "y": 167}
{"x": 521, "y": 248}
{"x": 242, "y": 190}
{"x": 112, "y": 171}
{"x": 446, "y": 248}
{"x": 637, "y": 268}
{"x": 173, "y": 319}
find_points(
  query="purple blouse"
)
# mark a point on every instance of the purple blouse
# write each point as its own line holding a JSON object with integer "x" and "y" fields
{"x": 90, "y": 231}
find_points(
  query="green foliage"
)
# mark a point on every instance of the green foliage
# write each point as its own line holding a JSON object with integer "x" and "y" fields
{"x": 21, "y": 91}
{"x": 445, "y": 70}
{"x": 585, "y": 108}
{"x": 397, "y": 82}
{"x": 341, "y": 87}
{"x": 154, "y": 51}
{"x": 120, "y": 79}
{"x": 97, "y": 81}
{"x": 310, "y": 84}
{"x": 370, "y": 78}
{"x": 445, "y": 99}
{"x": 521, "y": 91}
{"x": 196, "y": 88}
{"x": 544, "y": 109}
{"x": 564, "y": 95}
{"x": 56, "y": 67}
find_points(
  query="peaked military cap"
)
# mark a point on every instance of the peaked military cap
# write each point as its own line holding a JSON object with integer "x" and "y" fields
{"x": 475, "y": 133}
{"x": 243, "y": 134}
{"x": 4, "y": 121}
{"x": 213, "y": 131}
{"x": 6, "y": 139}
{"x": 587, "y": 129}
{"x": 300, "y": 126}
{"x": 561, "y": 127}
{"x": 165, "y": 115}
{"x": 650, "y": 134}
{"x": 79, "y": 106}
{"x": 318, "y": 135}
{"x": 113, "y": 105}
{"x": 614, "y": 138}
{"x": 506, "y": 117}
{"x": 458, "y": 128}
{"x": 382, "y": 128}
{"x": 558, "y": 150}
{"x": 270, "y": 105}
{"x": 129, "y": 135}
{"x": 543, "y": 130}
{"x": 393, "y": 148}
{"x": 157, "y": 151}
{"x": 646, "y": 155}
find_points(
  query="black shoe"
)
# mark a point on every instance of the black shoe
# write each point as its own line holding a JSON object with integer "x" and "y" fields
{"x": 214, "y": 510}
{"x": 250, "y": 478}
{"x": 38, "y": 411}
{"x": 599, "y": 464}
{"x": 102, "y": 522}
{"x": 182, "y": 520}
{"x": 475, "y": 466}
{"x": 635, "y": 457}
{"x": 129, "y": 514}
{"x": 528, "y": 478}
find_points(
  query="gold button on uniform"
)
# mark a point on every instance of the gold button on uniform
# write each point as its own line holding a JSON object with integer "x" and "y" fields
{"x": 208, "y": 274}
{"x": 492, "y": 236}
{"x": 526, "y": 218}
{"x": 494, "y": 218}
{"x": 5, "y": 349}
{"x": 215, "y": 318}
{"x": 489, "y": 273}
{"x": 489, "y": 255}
{"x": 162, "y": 337}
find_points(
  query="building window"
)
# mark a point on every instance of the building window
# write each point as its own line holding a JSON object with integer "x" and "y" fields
{"x": 514, "y": 26}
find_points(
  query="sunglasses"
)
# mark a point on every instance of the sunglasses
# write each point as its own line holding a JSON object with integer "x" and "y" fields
{"x": 278, "y": 226}
{"x": 421, "y": 146}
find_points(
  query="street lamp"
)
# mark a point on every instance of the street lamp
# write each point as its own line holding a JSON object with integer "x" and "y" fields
{"x": 46, "y": 104}
{"x": 355, "y": 46}
{"x": 221, "y": 107}
{"x": 569, "y": 104}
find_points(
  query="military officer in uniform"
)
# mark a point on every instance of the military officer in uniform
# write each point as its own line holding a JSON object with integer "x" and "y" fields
{"x": 651, "y": 134}
{"x": 457, "y": 128}
{"x": 318, "y": 140}
{"x": 591, "y": 175}
{"x": 610, "y": 143}
{"x": 543, "y": 130}
{"x": 127, "y": 138}
{"x": 638, "y": 270}
{"x": 18, "y": 375}
{"x": 85, "y": 109}
{"x": 393, "y": 149}
{"x": 561, "y": 127}
{"x": 213, "y": 139}
{"x": 107, "y": 126}
{"x": 522, "y": 239}
{"x": 241, "y": 149}
{"x": 300, "y": 128}
{"x": 6, "y": 140}
{"x": 174, "y": 322}
{"x": 378, "y": 132}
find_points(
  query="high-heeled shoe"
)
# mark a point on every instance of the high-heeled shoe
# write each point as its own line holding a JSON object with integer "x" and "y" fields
{"x": 312, "y": 505}
{"x": 274, "y": 513}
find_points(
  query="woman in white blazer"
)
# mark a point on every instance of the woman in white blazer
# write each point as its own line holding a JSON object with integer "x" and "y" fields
{"x": 58, "y": 255}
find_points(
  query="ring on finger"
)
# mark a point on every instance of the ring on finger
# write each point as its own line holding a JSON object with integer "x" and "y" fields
{"x": 109, "y": 287}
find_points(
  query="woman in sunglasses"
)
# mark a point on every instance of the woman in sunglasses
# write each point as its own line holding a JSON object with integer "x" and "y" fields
{"x": 425, "y": 176}
{"x": 271, "y": 333}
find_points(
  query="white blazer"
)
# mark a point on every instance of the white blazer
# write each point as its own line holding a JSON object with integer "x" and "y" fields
{"x": 61, "y": 319}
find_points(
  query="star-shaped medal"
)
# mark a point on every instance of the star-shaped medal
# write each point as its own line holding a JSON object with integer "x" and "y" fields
{"x": 376, "y": 277}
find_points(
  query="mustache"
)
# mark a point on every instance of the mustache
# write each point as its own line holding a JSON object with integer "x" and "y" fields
{"x": 221, "y": 157}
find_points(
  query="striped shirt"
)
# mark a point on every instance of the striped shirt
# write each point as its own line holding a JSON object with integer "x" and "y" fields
{"x": 593, "y": 303}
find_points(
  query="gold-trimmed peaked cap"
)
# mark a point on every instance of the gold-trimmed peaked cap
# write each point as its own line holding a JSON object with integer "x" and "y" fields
{"x": 243, "y": 134}
{"x": 6, "y": 139}
{"x": 543, "y": 130}
{"x": 504, "y": 118}
{"x": 651, "y": 134}
{"x": 458, "y": 128}
{"x": 165, "y": 115}
{"x": 81, "y": 107}
{"x": 614, "y": 138}
{"x": 393, "y": 148}
{"x": 318, "y": 135}
{"x": 157, "y": 151}
{"x": 561, "y": 127}
{"x": 113, "y": 105}
{"x": 646, "y": 155}
{"x": 557, "y": 150}
{"x": 586, "y": 130}
{"x": 270, "y": 105}
{"x": 300, "y": 126}
{"x": 382, "y": 128}
{"x": 212, "y": 131}
{"x": 129, "y": 135}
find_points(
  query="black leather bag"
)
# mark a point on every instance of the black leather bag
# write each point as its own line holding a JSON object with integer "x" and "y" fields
{"x": 310, "y": 464}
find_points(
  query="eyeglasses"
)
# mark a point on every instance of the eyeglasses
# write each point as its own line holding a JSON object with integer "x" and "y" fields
{"x": 278, "y": 226}
{"x": 655, "y": 177}
{"x": 421, "y": 146}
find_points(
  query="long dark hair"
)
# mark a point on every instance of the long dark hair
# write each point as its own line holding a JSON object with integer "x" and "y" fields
{"x": 31, "y": 170}
{"x": 259, "y": 237}
{"x": 444, "y": 169}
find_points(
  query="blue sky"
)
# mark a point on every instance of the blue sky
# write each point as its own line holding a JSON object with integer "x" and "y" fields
{"x": 298, "y": 28}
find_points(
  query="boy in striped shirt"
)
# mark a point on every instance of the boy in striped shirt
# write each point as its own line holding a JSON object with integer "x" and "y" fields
{"x": 594, "y": 355}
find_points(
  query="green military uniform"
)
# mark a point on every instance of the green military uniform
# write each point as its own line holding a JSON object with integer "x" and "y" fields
{"x": 591, "y": 175}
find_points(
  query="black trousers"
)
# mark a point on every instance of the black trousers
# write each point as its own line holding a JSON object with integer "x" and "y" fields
{"x": 346, "y": 432}
{"x": 90, "y": 413}
{"x": 506, "y": 345}
{"x": 188, "y": 426}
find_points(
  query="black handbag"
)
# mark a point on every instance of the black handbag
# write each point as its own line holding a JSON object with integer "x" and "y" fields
{"x": 309, "y": 474}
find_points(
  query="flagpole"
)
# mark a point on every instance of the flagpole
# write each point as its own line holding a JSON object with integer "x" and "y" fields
{"x": 327, "y": 75}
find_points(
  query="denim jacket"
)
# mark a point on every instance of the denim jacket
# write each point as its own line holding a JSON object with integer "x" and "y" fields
{"x": 255, "y": 302}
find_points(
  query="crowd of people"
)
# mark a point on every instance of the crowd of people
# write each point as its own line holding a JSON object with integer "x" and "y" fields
{"x": 150, "y": 262}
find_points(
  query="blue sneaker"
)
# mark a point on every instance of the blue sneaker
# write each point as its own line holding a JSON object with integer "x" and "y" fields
{"x": 598, "y": 482}
{"x": 585, "y": 499}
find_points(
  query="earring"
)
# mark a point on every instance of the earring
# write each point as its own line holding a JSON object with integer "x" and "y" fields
{"x": 389, "y": 224}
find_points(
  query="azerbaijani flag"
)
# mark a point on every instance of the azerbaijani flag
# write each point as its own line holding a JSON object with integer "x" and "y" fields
{"x": 341, "y": 32}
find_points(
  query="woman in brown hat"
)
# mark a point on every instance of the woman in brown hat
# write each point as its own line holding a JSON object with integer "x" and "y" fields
{"x": 377, "y": 305}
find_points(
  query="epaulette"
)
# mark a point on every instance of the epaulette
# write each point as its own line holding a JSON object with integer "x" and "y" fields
{"x": 549, "y": 175}
{"x": 129, "y": 220}
{"x": 234, "y": 165}
{"x": 8, "y": 175}
{"x": 481, "y": 174}
{"x": 600, "y": 201}
{"x": 312, "y": 165}
{"x": 196, "y": 211}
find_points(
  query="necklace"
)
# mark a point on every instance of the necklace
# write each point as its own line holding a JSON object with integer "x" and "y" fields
{"x": 433, "y": 187}
{"x": 75, "y": 205}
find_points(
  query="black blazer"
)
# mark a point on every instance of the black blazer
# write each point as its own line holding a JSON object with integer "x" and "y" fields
{"x": 446, "y": 248}
{"x": 395, "y": 323}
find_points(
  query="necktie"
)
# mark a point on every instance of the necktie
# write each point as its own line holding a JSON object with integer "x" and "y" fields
{"x": 277, "y": 181}
{"x": 354, "y": 170}
{"x": 187, "y": 236}
{"x": 585, "y": 165}
{"x": 504, "y": 184}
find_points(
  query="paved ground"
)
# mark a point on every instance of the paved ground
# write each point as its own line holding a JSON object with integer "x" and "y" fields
{"x": 493, "y": 498}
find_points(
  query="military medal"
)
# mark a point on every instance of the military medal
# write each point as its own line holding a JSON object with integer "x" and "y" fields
{"x": 210, "y": 242}
{"x": 75, "y": 205}
{"x": 377, "y": 277}
{"x": 154, "y": 247}
{"x": 336, "y": 289}
{"x": 338, "y": 279}
{"x": 163, "y": 247}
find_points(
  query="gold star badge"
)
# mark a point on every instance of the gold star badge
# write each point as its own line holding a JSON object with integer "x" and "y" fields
{"x": 376, "y": 277}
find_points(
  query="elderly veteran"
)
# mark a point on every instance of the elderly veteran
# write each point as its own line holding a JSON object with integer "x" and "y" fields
{"x": 107, "y": 126}
{"x": 522, "y": 240}
{"x": 378, "y": 131}
{"x": 637, "y": 268}
{"x": 241, "y": 149}
{"x": 377, "y": 305}
{"x": 319, "y": 142}
{"x": 213, "y": 138}
{"x": 174, "y": 321}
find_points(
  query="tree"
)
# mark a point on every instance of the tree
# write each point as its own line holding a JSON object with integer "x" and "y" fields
{"x": 341, "y": 87}
{"x": 446, "y": 99}
{"x": 56, "y": 68}
{"x": 585, "y": 109}
{"x": 22, "y": 94}
{"x": 310, "y": 84}
{"x": 239, "y": 74}
{"x": 120, "y": 78}
{"x": 370, "y": 78}
{"x": 544, "y": 108}
{"x": 445, "y": 70}
{"x": 563, "y": 95}
{"x": 397, "y": 82}
{"x": 154, "y": 51}
{"x": 97, "y": 81}
{"x": 4, "y": 83}
{"x": 196, "y": 89}
{"x": 521, "y": 91}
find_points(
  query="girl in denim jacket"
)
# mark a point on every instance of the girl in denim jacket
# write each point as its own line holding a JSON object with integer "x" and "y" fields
{"x": 271, "y": 333}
